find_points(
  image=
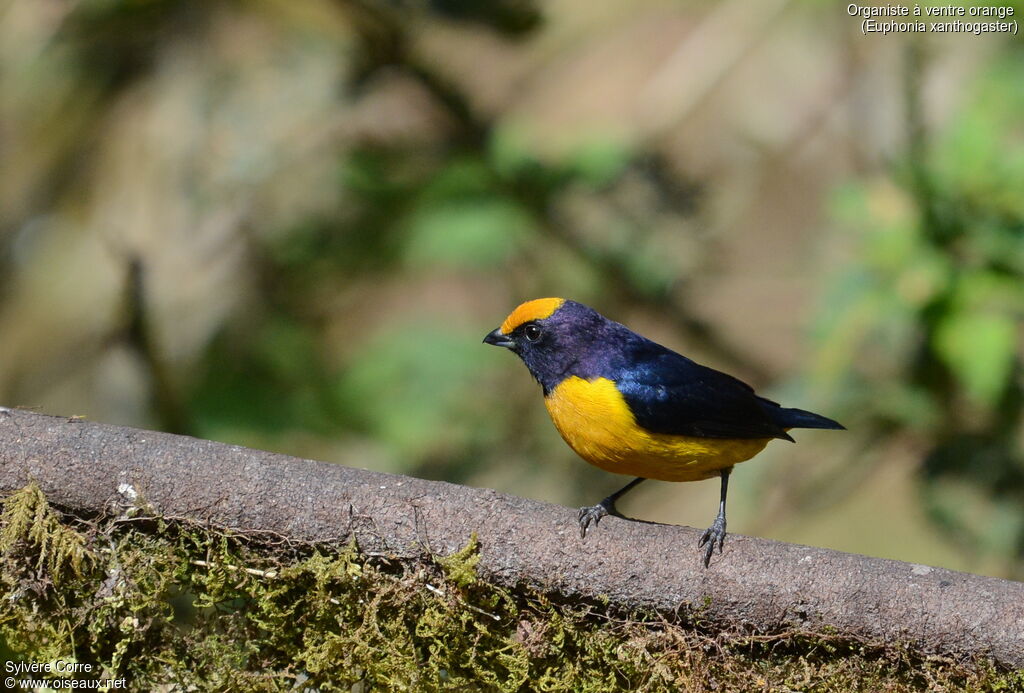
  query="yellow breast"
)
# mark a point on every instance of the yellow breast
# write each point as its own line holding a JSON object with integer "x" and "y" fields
{"x": 596, "y": 422}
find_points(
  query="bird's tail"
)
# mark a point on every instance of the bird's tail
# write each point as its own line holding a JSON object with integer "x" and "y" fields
{"x": 798, "y": 418}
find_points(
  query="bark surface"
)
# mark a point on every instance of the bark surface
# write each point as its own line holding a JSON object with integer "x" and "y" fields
{"x": 756, "y": 586}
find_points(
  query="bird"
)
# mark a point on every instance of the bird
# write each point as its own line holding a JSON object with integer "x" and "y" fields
{"x": 631, "y": 406}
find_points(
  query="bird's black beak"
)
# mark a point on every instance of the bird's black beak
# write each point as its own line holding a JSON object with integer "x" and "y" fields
{"x": 496, "y": 338}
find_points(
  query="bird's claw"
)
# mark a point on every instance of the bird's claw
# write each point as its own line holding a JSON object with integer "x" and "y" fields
{"x": 715, "y": 534}
{"x": 591, "y": 514}
{"x": 594, "y": 513}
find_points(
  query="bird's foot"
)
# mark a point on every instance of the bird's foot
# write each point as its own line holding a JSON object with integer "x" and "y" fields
{"x": 715, "y": 534}
{"x": 594, "y": 513}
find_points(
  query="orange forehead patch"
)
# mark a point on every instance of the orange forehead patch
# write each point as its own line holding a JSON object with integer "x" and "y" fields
{"x": 537, "y": 309}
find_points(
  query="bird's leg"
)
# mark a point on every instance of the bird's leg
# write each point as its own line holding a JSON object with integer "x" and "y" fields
{"x": 594, "y": 513}
{"x": 716, "y": 532}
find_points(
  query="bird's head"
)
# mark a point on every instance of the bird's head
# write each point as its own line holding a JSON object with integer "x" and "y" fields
{"x": 550, "y": 335}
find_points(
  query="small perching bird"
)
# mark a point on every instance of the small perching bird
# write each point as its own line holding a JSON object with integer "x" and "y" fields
{"x": 631, "y": 406}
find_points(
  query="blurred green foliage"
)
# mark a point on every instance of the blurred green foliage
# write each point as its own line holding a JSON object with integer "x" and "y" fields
{"x": 923, "y": 334}
{"x": 414, "y": 388}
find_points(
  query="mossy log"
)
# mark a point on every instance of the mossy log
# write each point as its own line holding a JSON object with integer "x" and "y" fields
{"x": 757, "y": 586}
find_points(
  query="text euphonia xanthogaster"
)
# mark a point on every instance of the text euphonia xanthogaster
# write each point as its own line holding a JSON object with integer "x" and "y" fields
{"x": 631, "y": 406}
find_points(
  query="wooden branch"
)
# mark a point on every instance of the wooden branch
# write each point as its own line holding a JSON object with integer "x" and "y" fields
{"x": 757, "y": 586}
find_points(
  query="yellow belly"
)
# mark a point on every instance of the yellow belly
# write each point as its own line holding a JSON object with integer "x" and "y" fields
{"x": 596, "y": 422}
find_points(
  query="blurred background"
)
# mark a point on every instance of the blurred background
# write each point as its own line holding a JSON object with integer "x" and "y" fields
{"x": 288, "y": 225}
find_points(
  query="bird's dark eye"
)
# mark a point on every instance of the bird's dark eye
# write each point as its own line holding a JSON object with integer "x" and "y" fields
{"x": 532, "y": 333}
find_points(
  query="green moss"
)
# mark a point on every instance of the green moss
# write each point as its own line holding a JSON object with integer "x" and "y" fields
{"x": 28, "y": 525}
{"x": 164, "y": 603}
{"x": 460, "y": 567}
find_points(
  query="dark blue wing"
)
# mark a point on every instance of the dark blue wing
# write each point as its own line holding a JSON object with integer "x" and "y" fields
{"x": 668, "y": 393}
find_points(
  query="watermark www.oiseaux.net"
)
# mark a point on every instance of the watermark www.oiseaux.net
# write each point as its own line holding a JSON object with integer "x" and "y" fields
{"x": 934, "y": 19}
{"x": 57, "y": 675}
